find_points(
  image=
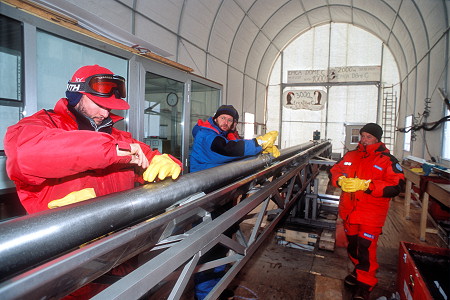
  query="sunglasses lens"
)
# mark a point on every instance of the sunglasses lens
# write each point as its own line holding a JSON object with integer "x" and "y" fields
{"x": 108, "y": 86}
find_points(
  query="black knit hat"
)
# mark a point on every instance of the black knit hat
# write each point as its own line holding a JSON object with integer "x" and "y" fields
{"x": 227, "y": 110}
{"x": 373, "y": 129}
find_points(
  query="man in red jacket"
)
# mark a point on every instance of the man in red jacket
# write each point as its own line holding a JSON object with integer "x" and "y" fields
{"x": 369, "y": 177}
{"x": 73, "y": 152}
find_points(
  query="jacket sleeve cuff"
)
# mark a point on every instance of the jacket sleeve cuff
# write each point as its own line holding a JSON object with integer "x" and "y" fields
{"x": 256, "y": 143}
{"x": 121, "y": 145}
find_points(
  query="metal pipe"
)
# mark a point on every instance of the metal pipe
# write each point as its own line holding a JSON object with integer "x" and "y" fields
{"x": 33, "y": 239}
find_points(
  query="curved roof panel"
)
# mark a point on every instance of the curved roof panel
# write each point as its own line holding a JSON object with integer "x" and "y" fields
{"x": 248, "y": 35}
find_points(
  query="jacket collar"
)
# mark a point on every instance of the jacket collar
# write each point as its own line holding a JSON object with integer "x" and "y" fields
{"x": 62, "y": 108}
{"x": 211, "y": 125}
{"x": 377, "y": 147}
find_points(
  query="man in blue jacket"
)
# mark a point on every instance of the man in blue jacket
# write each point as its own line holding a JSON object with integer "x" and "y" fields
{"x": 216, "y": 143}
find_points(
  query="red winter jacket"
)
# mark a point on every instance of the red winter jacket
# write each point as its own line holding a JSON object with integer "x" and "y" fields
{"x": 372, "y": 162}
{"x": 48, "y": 158}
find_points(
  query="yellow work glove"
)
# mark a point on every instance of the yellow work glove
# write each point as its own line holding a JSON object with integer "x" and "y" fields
{"x": 341, "y": 179}
{"x": 272, "y": 150}
{"x": 268, "y": 139}
{"x": 73, "y": 197}
{"x": 161, "y": 166}
{"x": 351, "y": 185}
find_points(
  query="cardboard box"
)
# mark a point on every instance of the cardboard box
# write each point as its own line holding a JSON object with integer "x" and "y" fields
{"x": 298, "y": 237}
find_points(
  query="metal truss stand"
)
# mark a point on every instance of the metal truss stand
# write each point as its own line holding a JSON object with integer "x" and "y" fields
{"x": 313, "y": 205}
{"x": 168, "y": 225}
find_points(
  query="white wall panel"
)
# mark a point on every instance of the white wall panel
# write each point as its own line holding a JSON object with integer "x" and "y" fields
{"x": 248, "y": 105}
{"x": 197, "y": 21}
{"x": 255, "y": 54}
{"x": 262, "y": 10}
{"x": 295, "y": 28}
{"x": 191, "y": 56}
{"x": 109, "y": 12}
{"x": 363, "y": 48}
{"x": 224, "y": 30}
{"x": 400, "y": 57}
{"x": 266, "y": 64}
{"x": 157, "y": 35}
{"x": 371, "y": 24}
{"x": 164, "y": 12}
{"x": 388, "y": 10}
{"x": 286, "y": 14}
{"x": 341, "y": 14}
{"x": 245, "y": 4}
{"x": 242, "y": 43}
{"x": 310, "y": 5}
{"x": 338, "y": 54}
{"x": 341, "y": 2}
{"x": 319, "y": 16}
{"x": 320, "y": 48}
{"x": 235, "y": 89}
{"x": 260, "y": 108}
{"x": 415, "y": 26}
{"x": 216, "y": 70}
{"x": 297, "y": 56}
{"x": 432, "y": 13}
{"x": 406, "y": 43}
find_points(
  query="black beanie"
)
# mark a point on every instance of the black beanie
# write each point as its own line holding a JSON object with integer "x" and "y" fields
{"x": 227, "y": 110}
{"x": 373, "y": 129}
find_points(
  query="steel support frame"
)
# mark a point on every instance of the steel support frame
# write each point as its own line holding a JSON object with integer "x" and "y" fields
{"x": 175, "y": 247}
{"x": 185, "y": 253}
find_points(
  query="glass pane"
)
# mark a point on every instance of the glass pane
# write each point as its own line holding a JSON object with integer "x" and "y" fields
{"x": 163, "y": 114}
{"x": 249, "y": 126}
{"x": 446, "y": 140}
{"x": 11, "y": 37}
{"x": 407, "y": 141}
{"x": 58, "y": 59}
{"x": 204, "y": 103}
{"x": 9, "y": 116}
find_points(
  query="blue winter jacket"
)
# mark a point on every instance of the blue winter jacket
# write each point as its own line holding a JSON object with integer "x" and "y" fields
{"x": 211, "y": 147}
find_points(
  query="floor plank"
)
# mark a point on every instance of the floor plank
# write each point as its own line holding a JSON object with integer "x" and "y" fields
{"x": 278, "y": 272}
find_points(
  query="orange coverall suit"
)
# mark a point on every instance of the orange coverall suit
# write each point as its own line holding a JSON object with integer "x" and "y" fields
{"x": 364, "y": 212}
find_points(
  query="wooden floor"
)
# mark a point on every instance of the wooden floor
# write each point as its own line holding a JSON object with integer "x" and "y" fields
{"x": 278, "y": 272}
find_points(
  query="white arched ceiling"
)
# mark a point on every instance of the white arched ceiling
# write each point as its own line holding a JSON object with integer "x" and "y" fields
{"x": 220, "y": 39}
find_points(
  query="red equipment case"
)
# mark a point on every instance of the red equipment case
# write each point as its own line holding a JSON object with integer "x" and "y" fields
{"x": 423, "y": 272}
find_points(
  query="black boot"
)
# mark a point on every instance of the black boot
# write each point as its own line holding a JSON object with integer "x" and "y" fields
{"x": 226, "y": 295}
{"x": 362, "y": 291}
{"x": 350, "y": 280}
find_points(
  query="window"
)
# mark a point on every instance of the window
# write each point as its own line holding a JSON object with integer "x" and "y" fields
{"x": 11, "y": 56}
{"x": 204, "y": 103}
{"x": 354, "y": 139}
{"x": 163, "y": 114}
{"x": 408, "y": 125}
{"x": 446, "y": 139}
{"x": 58, "y": 59}
{"x": 249, "y": 126}
{"x": 11, "y": 74}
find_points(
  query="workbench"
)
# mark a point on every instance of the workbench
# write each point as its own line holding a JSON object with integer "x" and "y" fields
{"x": 439, "y": 191}
{"x": 411, "y": 177}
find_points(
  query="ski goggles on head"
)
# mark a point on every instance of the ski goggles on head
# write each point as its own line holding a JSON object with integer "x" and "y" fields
{"x": 102, "y": 85}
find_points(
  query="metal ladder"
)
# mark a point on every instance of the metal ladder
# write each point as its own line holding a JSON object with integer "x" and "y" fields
{"x": 389, "y": 118}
